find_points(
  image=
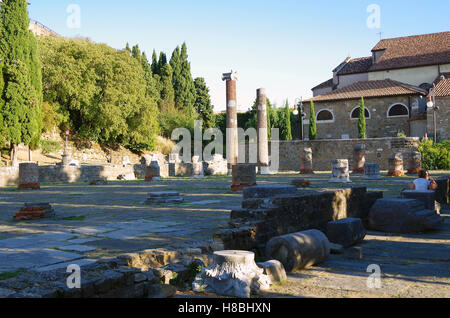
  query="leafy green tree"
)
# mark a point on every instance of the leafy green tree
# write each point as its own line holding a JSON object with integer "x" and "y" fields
{"x": 203, "y": 103}
{"x": 312, "y": 122}
{"x": 20, "y": 83}
{"x": 362, "y": 134}
{"x": 101, "y": 92}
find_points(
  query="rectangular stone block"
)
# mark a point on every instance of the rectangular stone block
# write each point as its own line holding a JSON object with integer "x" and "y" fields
{"x": 427, "y": 197}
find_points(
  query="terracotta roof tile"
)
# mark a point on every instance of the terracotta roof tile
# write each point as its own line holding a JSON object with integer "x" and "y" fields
{"x": 369, "y": 89}
{"x": 443, "y": 86}
{"x": 358, "y": 65}
{"x": 413, "y": 51}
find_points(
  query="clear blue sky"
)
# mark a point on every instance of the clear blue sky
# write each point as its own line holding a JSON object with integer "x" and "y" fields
{"x": 285, "y": 46}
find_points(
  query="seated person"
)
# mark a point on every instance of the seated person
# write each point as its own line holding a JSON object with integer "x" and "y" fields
{"x": 424, "y": 182}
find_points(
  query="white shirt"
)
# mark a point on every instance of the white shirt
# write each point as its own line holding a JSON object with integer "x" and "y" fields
{"x": 422, "y": 184}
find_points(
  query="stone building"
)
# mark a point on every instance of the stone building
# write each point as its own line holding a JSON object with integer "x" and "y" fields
{"x": 394, "y": 81}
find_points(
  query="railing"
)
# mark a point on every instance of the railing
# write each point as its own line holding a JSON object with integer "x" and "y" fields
{"x": 43, "y": 26}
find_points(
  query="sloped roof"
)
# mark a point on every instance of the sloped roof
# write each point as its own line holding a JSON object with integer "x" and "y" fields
{"x": 325, "y": 84}
{"x": 413, "y": 51}
{"x": 443, "y": 86}
{"x": 358, "y": 65}
{"x": 369, "y": 89}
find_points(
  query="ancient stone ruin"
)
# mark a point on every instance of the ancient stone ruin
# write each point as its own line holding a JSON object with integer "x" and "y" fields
{"x": 233, "y": 273}
{"x": 346, "y": 232}
{"x": 372, "y": 171}
{"x": 29, "y": 176}
{"x": 164, "y": 197}
{"x": 243, "y": 175}
{"x": 340, "y": 171}
{"x": 153, "y": 172}
{"x": 34, "y": 211}
{"x": 306, "y": 161}
{"x": 396, "y": 166}
{"x": 414, "y": 162}
{"x": 359, "y": 159}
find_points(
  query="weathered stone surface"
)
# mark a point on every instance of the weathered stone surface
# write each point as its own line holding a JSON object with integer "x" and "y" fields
{"x": 340, "y": 171}
{"x": 29, "y": 176}
{"x": 217, "y": 166}
{"x": 268, "y": 191}
{"x": 359, "y": 158}
{"x": 402, "y": 216}
{"x": 275, "y": 270}
{"x": 300, "y": 183}
{"x": 396, "y": 166}
{"x": 34, "y": 211}
{"x": 346, "y": 232}
{"x": 233, "y": 273}
{"x": 336, "y": 248}
{"x": 164, "y": 197}
{"x": 414, "y": 162}
{"x": 427, "y": 197}
{"x": 443, "y": 190}
{"x": 306, "y": 161}
{"x": 299, "y": 250}
{"x": 98, "y": 182}
{"x": 355, "y": 252}
{"x": 161, "y": 291}
{"x": 153, "y": 172}
{"x": 243, "y": 175}
{"x": 372, "y": 171}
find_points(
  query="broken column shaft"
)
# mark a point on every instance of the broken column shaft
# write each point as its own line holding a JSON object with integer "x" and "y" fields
{"x": 263, "y": 144}
{"x": 232, "y": 124}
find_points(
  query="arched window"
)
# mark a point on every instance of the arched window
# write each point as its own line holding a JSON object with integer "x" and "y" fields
{"x": 325, "y": 116}
{"x": 355, "y": 113}
{"x": 398, "y": 110}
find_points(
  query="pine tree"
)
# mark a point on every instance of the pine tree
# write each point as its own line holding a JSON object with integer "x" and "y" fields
{"x": 312, "y": 123}
{"x": 362, "y": 121}
{"x": 21, "y": 80}
{"x": 203, "y": 103}
{"x": 288, "y": 136}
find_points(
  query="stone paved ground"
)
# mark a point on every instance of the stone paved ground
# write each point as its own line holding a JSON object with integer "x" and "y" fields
{"x": 103, "y": 221}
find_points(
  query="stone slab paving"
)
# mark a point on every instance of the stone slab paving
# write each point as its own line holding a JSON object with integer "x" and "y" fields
{"x": 104, "y": 221}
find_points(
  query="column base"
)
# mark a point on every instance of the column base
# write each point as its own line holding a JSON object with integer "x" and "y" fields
{"x": 306, "y": 171}
{"x": 395, "y": 173}
{"x": 358, "y": 171}
{"x": 240, "y": 187}
{"x": 414, "y": 171}
{"x": 29, "y": 186}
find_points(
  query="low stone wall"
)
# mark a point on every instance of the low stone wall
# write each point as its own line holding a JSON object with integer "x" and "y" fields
{"x": 377, "y": 150}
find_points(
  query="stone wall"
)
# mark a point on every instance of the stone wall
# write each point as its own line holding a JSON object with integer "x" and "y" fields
{"x": 378, "y": 150}
{"x": 442, "y": 119}
{"x": 378, "y": 125}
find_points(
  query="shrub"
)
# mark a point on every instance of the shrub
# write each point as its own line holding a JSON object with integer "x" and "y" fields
{"x": 49, "y": 146}
{"x": 435, "y": 156}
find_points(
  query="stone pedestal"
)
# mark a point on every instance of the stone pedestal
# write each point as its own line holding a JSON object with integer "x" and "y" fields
{"x": 34, "y": 211}
{"x": 306, "y": 161}
{"x": 346, "y": 232}
{"x": 234, "y": 274}
{"x": 414, "y": 163}
{"x": 243, "y": 175}
{"x": 198, "y": 170}
{"x": 359, "y": 159}
{"x": 29, "y": 176}
{"x": 153, "y": 172}
{"x": 372, "y": 171}
{"x": 396, "y": 166}
{"x": 340, "y": 171}
{"x": 427, "y": 197}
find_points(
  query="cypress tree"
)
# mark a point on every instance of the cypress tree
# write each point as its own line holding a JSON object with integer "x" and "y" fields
{"x": 183, "y": 83}
{"x": 162, "y": 62}
{"x": 21, "y": 83}
{"x": 288, "y": 136}
{"x": 155, "y": 69}
{"x": 362, "y": 134}
{"x": 203, "y": 103}
{"x": 127, "y": 47}
{"x": 312, "y": 123}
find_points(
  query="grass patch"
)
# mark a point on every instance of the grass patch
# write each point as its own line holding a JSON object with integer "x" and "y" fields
{"x": 9, "y": 275}
{"x": 75, "y": 218}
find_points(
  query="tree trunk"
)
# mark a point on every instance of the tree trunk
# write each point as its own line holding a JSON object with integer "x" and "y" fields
{"x": 14, "y": 155}
{"x": 30, "y": 154}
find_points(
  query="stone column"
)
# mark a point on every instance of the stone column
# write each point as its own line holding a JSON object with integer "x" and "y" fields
{"x": 372, "y": 171}
{"x": 306, "y": 161}
{"x": 340, "y": 171}
{"x": 414, "y": 162}
{"x": 359, "y": 159}
{"x": 263, "y": 143}
{"x": 197, "y": 168}
{"x": 396, "y": 166}
{"x": 232, "y": 124}
{"x": 243, "y": 175}
{"x": 153, "y": 172}
{"x": 29, "y": 176}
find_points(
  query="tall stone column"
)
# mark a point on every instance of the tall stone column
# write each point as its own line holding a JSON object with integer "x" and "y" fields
{"x": 263, "y": 142}
{"x": 232, "y": 124}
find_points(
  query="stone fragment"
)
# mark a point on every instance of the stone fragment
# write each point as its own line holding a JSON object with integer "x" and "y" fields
{"x": 346, "y": 232}
{"x": 233, "y": 273}
{"x": 299, "y": 250}
{"x": 217, "y": 166}
{"x": 139, "y": 278}
{"x": 414, "y": 162}
{"x": 34, "y": 211}
{"x": 443, "y": 190}
{"x": 29, "y": 176}
{"x": 372, "y": 171}
{"x": 359, "y": 159}
{"x": 98, "y": 182}
{"x": 164, "y": 197}
{"x": 340, "y": 171}
{"x": 402, "y": 216}
{"x": 355, "y": 252}
{"x": 243, "y": 175}
{"x": 306, "y": 161}
{"x": 153, "y": 172}
{"x": 275, "y": 270}
{"x": 197, "y": 168}
{"x": 396, "y": 166}
{"x": 127, "y": 177}
{"x": 268, "y": 191}
{"x": 427, "y": 197}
